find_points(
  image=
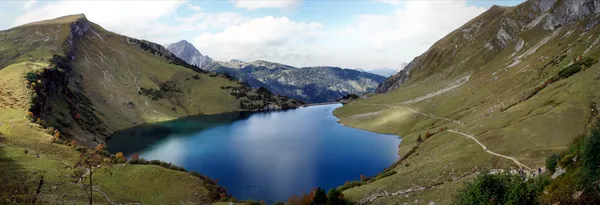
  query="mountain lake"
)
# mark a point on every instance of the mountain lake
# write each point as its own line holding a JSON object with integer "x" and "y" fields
{"x": 264, "y": 155}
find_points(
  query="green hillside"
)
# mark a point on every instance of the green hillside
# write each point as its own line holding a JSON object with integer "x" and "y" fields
{"x": 71, "y": 75}
{"x": 519, "y": 80}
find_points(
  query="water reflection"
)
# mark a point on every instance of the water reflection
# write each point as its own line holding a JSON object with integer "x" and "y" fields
{"x": 268, "y": 156}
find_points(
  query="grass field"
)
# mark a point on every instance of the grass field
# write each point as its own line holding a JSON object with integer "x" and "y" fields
{"x": 492, "y": 106}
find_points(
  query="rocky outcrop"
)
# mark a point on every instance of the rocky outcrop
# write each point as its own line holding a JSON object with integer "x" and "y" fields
{"x": 565, "y": 12}
{"x": 187, "y": 52}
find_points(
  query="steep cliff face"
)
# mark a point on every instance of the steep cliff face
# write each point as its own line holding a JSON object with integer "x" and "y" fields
{"x": 189, "y": 53}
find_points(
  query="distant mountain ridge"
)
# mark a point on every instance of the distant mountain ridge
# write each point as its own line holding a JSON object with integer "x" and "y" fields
{"x": 385, "y": 72}
{"x": 310, "y": 84}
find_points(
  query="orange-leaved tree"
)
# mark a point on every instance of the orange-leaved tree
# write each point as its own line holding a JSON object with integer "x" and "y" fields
{"x": 100, "y": 147}
{"x": 120, "y": 157}
{"x": 91, "y": 161}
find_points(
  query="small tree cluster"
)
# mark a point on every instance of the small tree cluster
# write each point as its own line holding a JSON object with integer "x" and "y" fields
{"x": 502, "y": 188}
{"x": 316, "y": 196}
{"x": 120, "y": 158}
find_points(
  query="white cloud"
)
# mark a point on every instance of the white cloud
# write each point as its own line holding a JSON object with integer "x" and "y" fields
{"x": 212, "y": 20}
{"x": 258, "y": 4}
{"x": 29, "y": 4}
{"x": 367, "y": 41}
{"x": 194, "y": 8}
{"x": 387, "y": 40}
{"x": 132, "y": 18}
{"x": 261, "y": 38}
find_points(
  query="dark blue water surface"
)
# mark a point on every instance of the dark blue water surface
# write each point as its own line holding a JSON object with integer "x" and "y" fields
{"x": 264, "y": 156}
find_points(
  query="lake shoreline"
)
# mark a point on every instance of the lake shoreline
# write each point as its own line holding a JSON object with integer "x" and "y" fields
{"x": 204, "y": 143}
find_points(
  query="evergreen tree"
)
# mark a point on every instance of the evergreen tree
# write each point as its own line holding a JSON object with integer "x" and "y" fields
{"x": 335, "y": 197}
{"x": 320, "y": 197}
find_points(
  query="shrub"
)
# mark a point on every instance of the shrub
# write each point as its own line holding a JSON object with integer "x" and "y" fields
{"x": 80, "y": 149}
{"x": 551, "y": 162}
{"x": 232, "y": 199}
{"x": 590, "y": 157}
{"x": 138, "y": 161}
{"x": 251, "y": 202}
{"x": 104, "y": 153}
{"x": 350, "y": 184}
{"x": 567, "y": 160}
{"x": 50, "y": 130}
{"x": 100, "y": 147}
{"x": 576, "y": 67}
{"x": 56, "y": 135}
{"x": 320, "y": 197}
{"x": 569, "y": 70}
{"x": 588, "y": 62}
{"x": 120, "y": 157}
{"x": 386, "y": 174}
{"x": 335, "y": 197}
{"x": 501, "y": 188}
{"x": 135, "y": 156}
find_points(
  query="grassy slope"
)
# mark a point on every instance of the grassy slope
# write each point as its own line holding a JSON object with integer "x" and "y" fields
{"x": 144, "y": 183}
{"x": 113, "y": 70}
{"x": 528, "y": 131}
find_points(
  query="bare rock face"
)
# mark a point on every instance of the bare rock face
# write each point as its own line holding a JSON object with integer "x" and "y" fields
{"x": 568, "y": 11}
{"x": 80, "y": 27}
{"x": 187, "y": 52}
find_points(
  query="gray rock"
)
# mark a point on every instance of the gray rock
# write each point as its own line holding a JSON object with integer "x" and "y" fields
{"x": 187, "y": 52}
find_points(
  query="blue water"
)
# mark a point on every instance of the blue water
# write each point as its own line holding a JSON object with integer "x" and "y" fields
{"x": 264, "y": 156}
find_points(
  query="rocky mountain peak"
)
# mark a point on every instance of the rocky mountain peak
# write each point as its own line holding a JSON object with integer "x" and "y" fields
{"x": 187, "y": 52}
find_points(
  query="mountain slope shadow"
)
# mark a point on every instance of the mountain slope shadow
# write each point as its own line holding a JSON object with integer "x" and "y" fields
{"x": 15, "y": 182}
{"x": 138, "y": 138}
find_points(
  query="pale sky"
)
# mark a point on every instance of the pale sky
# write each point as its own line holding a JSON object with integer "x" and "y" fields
{"x": 365, "y": 34}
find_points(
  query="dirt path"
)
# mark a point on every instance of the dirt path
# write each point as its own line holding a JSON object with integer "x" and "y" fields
{"x": 458, "y": 83}
{"x": 490, "y": 152}
{"x": 485, "y": 148}
{"x": 93, "y": 187}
